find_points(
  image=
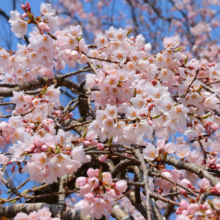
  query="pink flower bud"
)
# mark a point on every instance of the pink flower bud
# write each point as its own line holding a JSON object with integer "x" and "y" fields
{"x": 50, "y": 120}
{"x": 24, "y": 15}
{"x": 212, "y": 161}
{"x": 183, "y": 192}
{"x": 154, "y": 82}
{"x": 209, "y": 212}
{"x": 112, "y": 193}
{"x": 183, "y": 204}
{"x": 121, "y": 185}
{"x": 86, "y": 142}
{"x": 204, "y": 184}
{"x": 91, "y": 173}
{"x": 28, "y": 6}
{"x": 149, "y": 121}
{"x": 96, "y": 172}
{"x": 192, "y": 208}
{"x": 100, "y": 146}
{"x": 33, "y": 147}
{"x": 102, "y": 158}
{"x": 32, "y": 125}
{"x": 142, "y": 114}
{"x": 214, "y": 126}
{"x": 211, "y": 64}
{"x": 150, "y": 106}
{"x": 81, "y": 181}
{"x": 43, "y": 27}
{"x": 38, "y": 142}
{"x": 23, "y": 7}
{"x": 37, "y": 150}
{"x": 179, "y": 211}
{"x": 44, "y": 148}
{"x": 94, "y": 142}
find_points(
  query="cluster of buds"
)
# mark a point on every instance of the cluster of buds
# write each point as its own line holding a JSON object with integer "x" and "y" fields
{"x": 26, "y": 8}
{"x": 212, "y": 163}
{"x": 99, "y": 191}
{"x": 99, "y": 182}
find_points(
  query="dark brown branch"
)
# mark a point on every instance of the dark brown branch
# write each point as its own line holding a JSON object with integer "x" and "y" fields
{"x": 145, "y": 179}
{"x": 199, "y": 171}
{"x": 12, "y": 210}
{"x": 62, "y": 197}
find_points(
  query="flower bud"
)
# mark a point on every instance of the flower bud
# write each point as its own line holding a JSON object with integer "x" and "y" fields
{"x": 23, "y": 7}
{"x": 37, "y": 150}
{"x": 81, "y": 181}
{"x": 44, "y": 148}
{"x": 32, "y": 125}
{"x": 24, "y": 15}
{"x": 100, "y": 146}
{"x": 43, "y": 27}
{"x": 102, "y": 158}
{"x": 86, "y": 142}
{"x": 121, "y": 185}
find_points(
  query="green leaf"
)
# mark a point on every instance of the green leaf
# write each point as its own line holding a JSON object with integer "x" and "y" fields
{"x": 13, "y": 201}
{"x": 57, "y": 150}
{"x": 156, "y": 116}
{"x": 135, "y": 92}
{"x": 145, "y": 58}
{"x": 206, "y": 116}
{"x": 110, "y": 141}
{"x": 78, "y": 39}
{"x": 211, "y": 204}
{"x": 29, "y": 16}
{"x": 185, "y": 61}
{"x": 98, "y": 66}
{"x": 178, "y": 49}
{"x": 25, "y": 191}
{"x": 43, "y": 91}
{"x": 128, "y": 33}
{"x": 200, "y": 88}
{"x": 165, "y": 156}
{"x": 84, "y": 135}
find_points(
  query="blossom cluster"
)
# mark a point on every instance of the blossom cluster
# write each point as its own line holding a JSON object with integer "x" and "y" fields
{"x": 41, "y": 214}
{"x": 208, "y": 210}
{"x": 99, "y": 191}
{"x": 51, "y": 154}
